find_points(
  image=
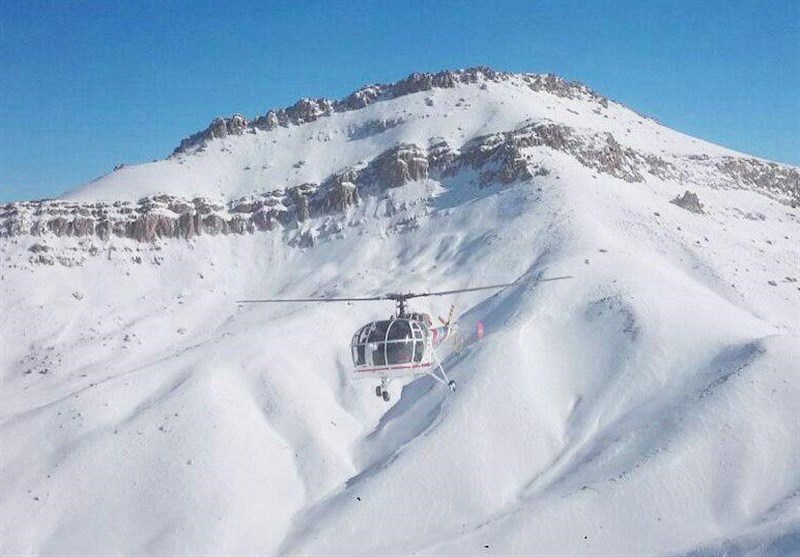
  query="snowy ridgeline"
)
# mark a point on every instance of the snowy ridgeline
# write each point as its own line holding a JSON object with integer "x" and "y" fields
{"x": 647, "y": 406}
{"x": 318, "y": 163}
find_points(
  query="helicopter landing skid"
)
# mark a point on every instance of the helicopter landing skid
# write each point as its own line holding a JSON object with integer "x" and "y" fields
{"x": 438, "y": 374}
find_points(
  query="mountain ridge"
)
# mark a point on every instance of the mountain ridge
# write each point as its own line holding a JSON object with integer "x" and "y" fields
{"x": 307, "y": 110}
{"x": 397, "y": 131}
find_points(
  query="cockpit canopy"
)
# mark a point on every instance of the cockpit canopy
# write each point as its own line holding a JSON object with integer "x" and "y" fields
{"x": 394, "y": 343}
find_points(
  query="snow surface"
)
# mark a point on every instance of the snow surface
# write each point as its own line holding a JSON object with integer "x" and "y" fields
{"x": 649, "y": 406}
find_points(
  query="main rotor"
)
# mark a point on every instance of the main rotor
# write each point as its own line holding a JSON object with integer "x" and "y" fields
{"x": 399, "y": 298}
{"x": 400, "y": 302}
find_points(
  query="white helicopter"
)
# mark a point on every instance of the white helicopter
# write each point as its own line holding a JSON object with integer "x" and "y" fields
{"x": 402, "y": 346}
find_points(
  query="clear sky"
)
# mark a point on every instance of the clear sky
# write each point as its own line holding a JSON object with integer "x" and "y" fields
{"x": 87, "y": 85}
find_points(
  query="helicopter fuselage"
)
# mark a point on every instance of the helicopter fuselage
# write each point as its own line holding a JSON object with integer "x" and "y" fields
{"x": 396, "y": 347}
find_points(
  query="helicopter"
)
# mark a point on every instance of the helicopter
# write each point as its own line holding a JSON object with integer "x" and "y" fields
{"x": 403, "y": 345}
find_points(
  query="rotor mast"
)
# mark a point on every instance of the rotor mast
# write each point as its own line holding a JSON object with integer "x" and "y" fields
{"x": 400, "y": 303}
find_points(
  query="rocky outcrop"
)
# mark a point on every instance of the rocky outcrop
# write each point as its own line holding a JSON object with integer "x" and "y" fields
{"x": 447, "y": 79}
{"x": 309, "y": 110}
{"x": 170, "y": 217}
{"x": 780, "y": 181}
{"x": 372, "y": 127}
{"x": 219, "y": 127}
{"x": 302, "y": 112}
{"x": 503, "y": 158}
{"x": 689, "y": 201}
{"x": 398, "y": 166}
{"x": 300, "y": 196}
{"x": 497, "y": 159}
{"x": 339, "y": 192}
{"x": 440, "y": 156}
{"x": 506, "y": 157}
{"x": 149, "y": 219}
{"x": 601, "y": 152}
{"x": 560, "y": 87}
{"x": 167, "y": 216}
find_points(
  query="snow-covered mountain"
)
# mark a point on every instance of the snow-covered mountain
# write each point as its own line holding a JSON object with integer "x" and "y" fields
{"x": 650, "y": 405}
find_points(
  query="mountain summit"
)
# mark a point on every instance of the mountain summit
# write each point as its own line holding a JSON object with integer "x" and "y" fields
{"x": 321, "y": 156}
{"x": 649, "y": 405}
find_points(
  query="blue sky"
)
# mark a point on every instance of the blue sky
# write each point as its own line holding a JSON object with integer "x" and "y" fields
{"x": 87, "y": 85}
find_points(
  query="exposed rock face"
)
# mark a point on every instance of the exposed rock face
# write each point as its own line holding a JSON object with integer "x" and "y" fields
{"x": 147, "y": 220}
{"x": 447, "y": 79}
{"x": 373, "y": 127}
{"x": 302, "y": 112}
{"x": 166, "y": 216}
{"x": 506, "y": 151}
{"x": 300, "y": 196}
{"x": 39, "y": 248}
{"x": 440, "y": 156}
{"x": 340, "y": 192}
{"x": 562, "y": 88}
{"x": 497, "y": 157}
{"x": 690, "y": 202}
{"x": 603, "y": 153}
{"x": 398, "y": 166}
{"x": 219, "y": 127}
{"x": 783, "y": 182}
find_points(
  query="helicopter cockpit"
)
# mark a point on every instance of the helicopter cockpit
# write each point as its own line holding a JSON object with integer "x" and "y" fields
{"x": 393, "y": 344}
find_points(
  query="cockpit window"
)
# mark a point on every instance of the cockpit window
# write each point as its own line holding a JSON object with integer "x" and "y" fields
{"x": 399, "y": 352}
{"x": 378, "y": 353}
{"x": 419, "y": 350}
{"x": 359, "y": 355}
{"x": 399, "y": 330}
{"x": 378, "y": 333}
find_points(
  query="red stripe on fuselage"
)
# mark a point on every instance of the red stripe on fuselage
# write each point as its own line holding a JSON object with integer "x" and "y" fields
{"x": 390, "y": 368}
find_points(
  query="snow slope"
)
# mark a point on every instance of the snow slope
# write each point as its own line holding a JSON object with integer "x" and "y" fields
{"x": 648, "y": 406}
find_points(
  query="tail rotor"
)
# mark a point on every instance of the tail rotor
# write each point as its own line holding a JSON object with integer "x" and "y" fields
{"x": 444, "y": 322}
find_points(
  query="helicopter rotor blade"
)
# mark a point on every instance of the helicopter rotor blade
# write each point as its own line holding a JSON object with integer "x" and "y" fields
{"x": 490, "y": 287}
{"x": 302, "y": 300}
{"x": 392, "y": 296}
{"x": 445, "y": 292}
